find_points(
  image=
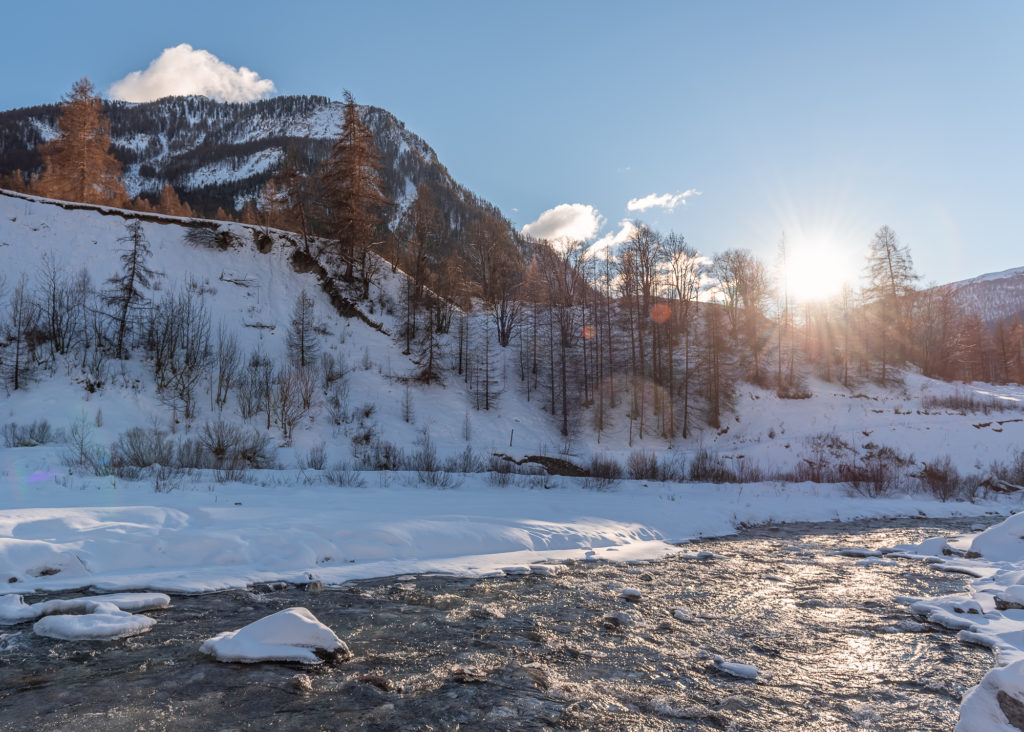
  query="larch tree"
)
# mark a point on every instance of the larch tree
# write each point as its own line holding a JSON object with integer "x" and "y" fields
{"x": 890, "y": 279}
{"x": 125, "y": 292}
{"x": 171, "y": 204}
{"x": 77, "y": 164}
{"x": 303, "y": 342}
{"x": 355, "y": 192}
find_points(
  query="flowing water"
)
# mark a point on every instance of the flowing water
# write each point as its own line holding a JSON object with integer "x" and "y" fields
{"x": 833, "y": 648}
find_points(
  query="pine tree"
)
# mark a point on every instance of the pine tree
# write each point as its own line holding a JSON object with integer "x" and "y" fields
{"x": 354, "y": 190}
{"x": 77, "y": 165}
{"x": 125, "y": 294}
{"x": 303, "y": 344}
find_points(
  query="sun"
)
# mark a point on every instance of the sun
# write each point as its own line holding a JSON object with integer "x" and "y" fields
{"x": 817, "y": 270}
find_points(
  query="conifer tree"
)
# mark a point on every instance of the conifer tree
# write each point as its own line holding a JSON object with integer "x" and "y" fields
{"x": 125, "y": 293}
{"x": 354, "y": 190}
{"x": 171, "y": 204}
{"x": 77, "y": 165}
{"x": 890, "y": 279}
{"x": 303, "y": 344}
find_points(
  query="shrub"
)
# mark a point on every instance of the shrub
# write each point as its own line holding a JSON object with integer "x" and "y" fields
{"x": 604, "y": 472}
{"x": 605, "y": 468}
{"x": 438, "y": 478}
{"x": 340, "y": 474}
{"x": 315, "y": 458}
{"x": 643, "y": 465}
{"x": 380, "y": 455}
{"x": 465, "y": 462}
{"x": 221, "y": 440}
{"x": 82, "y": 451}
{"x": 794, "y": 388}
{"x": 964, "y": 402}
{"x": 140, "y": 448}
{"x": 256, "y": 450}
{"x": 424, "y": 459}
{"x": 202, "y": 236}
{"x": 709, "y": 467}
{"x": 880, "y": 472}
{"x": 941, "y": 479}
{"x": 27, "y": 435}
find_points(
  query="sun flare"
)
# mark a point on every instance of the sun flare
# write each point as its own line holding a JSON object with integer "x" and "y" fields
{"x": 816, "y": 271}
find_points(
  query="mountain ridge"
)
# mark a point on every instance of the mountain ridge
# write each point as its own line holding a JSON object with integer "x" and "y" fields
{"x": 221, "y": 154}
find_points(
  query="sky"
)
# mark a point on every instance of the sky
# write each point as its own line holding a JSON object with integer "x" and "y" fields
{"x": 731, "y": 123}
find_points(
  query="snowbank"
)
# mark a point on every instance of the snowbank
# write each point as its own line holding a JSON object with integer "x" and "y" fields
{"x": 992, "y": 615}
{"x": 217, "y": 536}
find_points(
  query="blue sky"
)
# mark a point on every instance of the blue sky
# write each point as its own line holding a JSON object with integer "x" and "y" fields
{"x": 824, "y": 120}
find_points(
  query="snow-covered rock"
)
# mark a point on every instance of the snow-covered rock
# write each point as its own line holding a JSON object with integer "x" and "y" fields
{"x": 734, "y": 668}
{"x": 103, "y": 622}
{"x": 14, "y": 609}
{"x": 292, "y": 635}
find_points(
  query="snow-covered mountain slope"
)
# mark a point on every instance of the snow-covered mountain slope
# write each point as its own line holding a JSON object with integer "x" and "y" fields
{"x": 219, "y": 154}
{"x": 253, "y": 295}
{"x": 993, "y": 296}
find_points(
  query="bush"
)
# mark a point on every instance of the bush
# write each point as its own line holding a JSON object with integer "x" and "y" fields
{"x": 605, "y": 468}
{"x": 315, "y": 458}
{"x": 880, "y": 472}
{"x": 140, "y": 448}
{"x": 465, "y": 462}
{"x": 604, "y": 472}
{"x": 643, "y": 465}
{"x": 341, "y": 475}
{"x": 500, "y": 471}
{"x": 424, "y": 459}
{"x": 826, "y": 453}
{"x": 380, "y": 455}
{"x": 795, "y": 388}
{"x": 964, "y": 402}
{"x": 202, "y": 236}
{"x": 221, "y": 440}
{"x": 941, "y": 479}
{"x": 82, "y": 451}
{"x": 438, "y": 479}
{"x": 27, "y": 435}
{"x": 709, "y": 467}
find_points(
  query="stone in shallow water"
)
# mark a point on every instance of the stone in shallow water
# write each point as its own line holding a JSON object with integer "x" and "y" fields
{"x": 293, "y": 635}
{"x": 104, "y": 623}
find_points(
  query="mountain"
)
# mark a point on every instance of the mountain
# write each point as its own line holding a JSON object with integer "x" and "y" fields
{"x": 220, "y": 154}
{"x": 994, "y": 296}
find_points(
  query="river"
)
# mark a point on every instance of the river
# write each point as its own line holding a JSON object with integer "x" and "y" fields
{"x": 833, "y": 648}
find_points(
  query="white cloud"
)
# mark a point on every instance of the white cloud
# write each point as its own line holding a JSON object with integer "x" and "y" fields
{"x": 566, "y": 221}
{"x": 183, "y": 70}
{"x": 665, "y": 200}
{"x": 603, "y": 247}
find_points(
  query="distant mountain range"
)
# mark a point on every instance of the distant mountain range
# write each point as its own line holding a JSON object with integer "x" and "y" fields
{"x": 995, "y": 296}
{"x": 220, "y": 154}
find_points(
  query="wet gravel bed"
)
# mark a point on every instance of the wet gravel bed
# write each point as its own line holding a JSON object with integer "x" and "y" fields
{"x": 566, "y": 651}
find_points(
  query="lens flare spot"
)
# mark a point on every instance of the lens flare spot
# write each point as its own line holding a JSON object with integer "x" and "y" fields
{"x": 660, "y": 312}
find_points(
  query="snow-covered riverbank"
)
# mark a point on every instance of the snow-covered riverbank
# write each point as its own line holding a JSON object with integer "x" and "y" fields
{"x": 285, "y": 525}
